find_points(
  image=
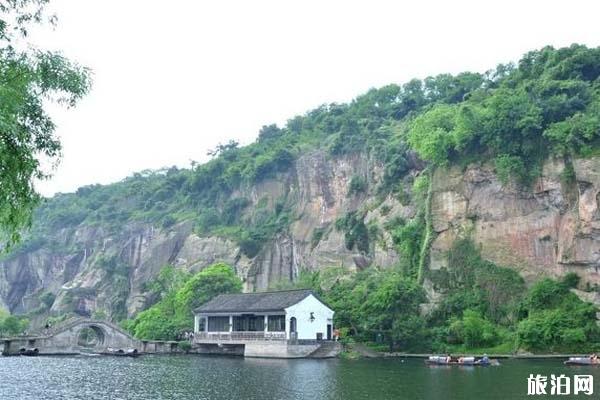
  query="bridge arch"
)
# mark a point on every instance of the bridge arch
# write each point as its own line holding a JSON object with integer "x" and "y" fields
{"x": 89, "y": 334}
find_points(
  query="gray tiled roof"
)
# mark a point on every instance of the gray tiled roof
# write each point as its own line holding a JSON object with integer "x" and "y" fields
{"x": 254, "y": 302}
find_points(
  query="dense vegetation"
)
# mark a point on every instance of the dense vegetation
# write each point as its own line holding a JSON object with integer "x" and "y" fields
{"x": 548, "y": 104}
{"x": 484, "y": 307}
{"x": 11, "y": 325}
{"x": 178, "y": 293}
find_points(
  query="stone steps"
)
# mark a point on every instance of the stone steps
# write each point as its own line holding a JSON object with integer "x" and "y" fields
{"x": 327, "y": 350}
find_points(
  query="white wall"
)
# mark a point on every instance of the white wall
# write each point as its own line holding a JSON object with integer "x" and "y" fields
{"x": 305, "y": 328}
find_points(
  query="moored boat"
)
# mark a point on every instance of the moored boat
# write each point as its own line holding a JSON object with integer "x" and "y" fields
{"x": 583, "y": 361}
{"x": 120, "y": 352}
{"x": 29, "y": 351}
{"x": 458, "y": 361}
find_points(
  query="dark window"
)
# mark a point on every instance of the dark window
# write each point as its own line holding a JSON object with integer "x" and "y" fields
{"x": 238, "y": 324}
{"x": 276, "y": 323}
{"x": 256, "y": 323}
{"x": 218, "y": 324}
{"x": 249, "y": 323}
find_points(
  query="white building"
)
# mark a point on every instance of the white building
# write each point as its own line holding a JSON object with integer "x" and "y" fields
{"x": 282, "y": 315}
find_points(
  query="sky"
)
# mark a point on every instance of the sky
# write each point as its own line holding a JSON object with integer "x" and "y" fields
{"x": 172, "y": 79}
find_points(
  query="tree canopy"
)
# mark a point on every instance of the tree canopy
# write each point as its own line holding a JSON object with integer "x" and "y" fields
{"x": 179, "y": 293}
{"x": 28, "y": 78}
{"x": 548, "y": 103}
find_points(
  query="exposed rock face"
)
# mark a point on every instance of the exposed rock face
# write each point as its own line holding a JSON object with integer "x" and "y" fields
{"x": 550, "y": 230}
{"x": 105, "y": 269}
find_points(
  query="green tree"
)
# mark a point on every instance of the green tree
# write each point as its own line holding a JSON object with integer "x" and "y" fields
{"x": 213, "y": 280}
{"x": 11, "y": 325}
{"x": 179, "y": 296}
{"x": 431, "y": 134}
{"x": 473, "y": 330}
{"x": 392, "y": 306}
{"x": 27, "y": 79}
{"x": 168, "y": 280}
{"x": 372, "y": 302}
{"x": 557, "y": 319}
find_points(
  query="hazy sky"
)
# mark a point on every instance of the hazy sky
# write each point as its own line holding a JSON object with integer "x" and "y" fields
{"x": 174, "y": 78}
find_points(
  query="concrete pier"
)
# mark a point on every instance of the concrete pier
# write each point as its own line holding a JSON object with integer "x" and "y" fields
{"x": 268, "y": 348}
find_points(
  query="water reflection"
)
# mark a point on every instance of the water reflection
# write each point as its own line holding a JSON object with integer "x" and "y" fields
{"x": 284, "y": 379}
{"x": 214, "y": 377}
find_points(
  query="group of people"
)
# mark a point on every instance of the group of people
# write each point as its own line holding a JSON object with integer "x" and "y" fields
{"x": 461, "y": 360}
{"x": 186, "y": 336}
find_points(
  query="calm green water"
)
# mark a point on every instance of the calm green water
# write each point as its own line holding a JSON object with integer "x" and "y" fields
{"x": 205, "y": 377}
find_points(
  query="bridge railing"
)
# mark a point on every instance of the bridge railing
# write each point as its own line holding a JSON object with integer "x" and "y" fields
{"x": 63, "y": 325}
{"x": 74, "y": 321}
{"x": 60, "y": 326}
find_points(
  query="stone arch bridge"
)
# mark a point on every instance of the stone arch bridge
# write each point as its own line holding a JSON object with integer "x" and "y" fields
{"x": 73, "y": 337}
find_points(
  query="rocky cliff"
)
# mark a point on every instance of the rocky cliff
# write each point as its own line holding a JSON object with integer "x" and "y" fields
{"x": 548, "y": 230}
{"x": 94, "y": 269}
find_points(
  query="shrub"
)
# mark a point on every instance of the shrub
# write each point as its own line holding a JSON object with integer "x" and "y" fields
{"x": 11, "y": 325}
{"x": 557, "y": 319}
{"x": 357, "y": 185}
{"x": 545, "y": 294}
{"x": 233, "y": 209}
{"x": 184, "y": 346}
{"x": 473, "y": 330}
{"x": 570, "y": 280}
{"x": 355, "y": 231}
{"x": 316, "y": 237}
{"x": 420, "y": 187}
{"x": 168, "y": 221}
{"x": 47, "y": 299}
{"x": 510, "y": 167}
{"x": 408, "y": 238}
{"x": 477, "y": 331}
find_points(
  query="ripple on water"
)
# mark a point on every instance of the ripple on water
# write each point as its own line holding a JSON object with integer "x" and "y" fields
{"x": 215, "y": 378}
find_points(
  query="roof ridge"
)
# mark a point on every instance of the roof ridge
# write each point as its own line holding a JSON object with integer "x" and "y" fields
{"x": 257, "y": 301}
{"x": 271, "y": 291}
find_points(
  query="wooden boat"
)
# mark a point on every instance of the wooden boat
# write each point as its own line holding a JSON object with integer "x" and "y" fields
{"x": 582, "y": 361}
{"x": 120, "y": 352}
{"x": 461, "y": 361}
{"x": 29, "y": 351}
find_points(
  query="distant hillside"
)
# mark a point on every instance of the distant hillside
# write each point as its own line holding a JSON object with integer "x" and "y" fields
{"x": 507, "y": 158}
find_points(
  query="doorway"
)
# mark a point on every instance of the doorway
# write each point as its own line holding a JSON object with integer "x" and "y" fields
{"x": 293, "y": 328}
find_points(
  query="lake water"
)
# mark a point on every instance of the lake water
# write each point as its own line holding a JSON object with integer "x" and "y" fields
{"x": 214, "y": 377}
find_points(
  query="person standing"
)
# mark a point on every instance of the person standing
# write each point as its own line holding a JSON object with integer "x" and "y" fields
{"x": 336, "y": 334}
